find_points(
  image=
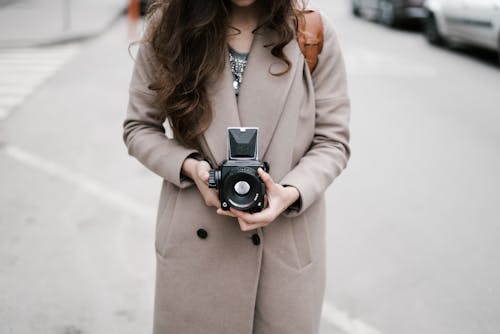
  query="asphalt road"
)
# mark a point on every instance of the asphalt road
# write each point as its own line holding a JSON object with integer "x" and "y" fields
{"x": 413, "y": 222}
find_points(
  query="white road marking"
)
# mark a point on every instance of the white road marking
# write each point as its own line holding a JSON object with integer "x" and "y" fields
{"x": 90, "y": 186}
{"x": 331, "y": 314}
{"x": 344, "y": 322}
{"x": 23, "y": 70}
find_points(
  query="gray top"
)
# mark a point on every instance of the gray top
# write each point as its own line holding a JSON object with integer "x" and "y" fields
{"x": 238, "y": 64}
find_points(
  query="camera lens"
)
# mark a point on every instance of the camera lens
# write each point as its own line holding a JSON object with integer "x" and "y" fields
{"x": 242, "y": 188}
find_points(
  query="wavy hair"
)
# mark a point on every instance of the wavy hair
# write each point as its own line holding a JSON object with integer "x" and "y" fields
{"x": 188, "y": 39}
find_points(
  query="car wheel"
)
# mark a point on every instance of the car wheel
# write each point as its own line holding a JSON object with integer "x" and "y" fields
{"x": 498, "y": 50}
{"x": 355, "y": 9}
{"x": 386, "y": 13}
{"x": 431, "y": 31}
{"x": 143, "y": 7}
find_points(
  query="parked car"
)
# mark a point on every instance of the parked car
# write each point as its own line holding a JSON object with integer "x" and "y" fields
{"x": 143, "y": 6}
{"x": 389, "y": 12}
{"x": 473, "y": 22}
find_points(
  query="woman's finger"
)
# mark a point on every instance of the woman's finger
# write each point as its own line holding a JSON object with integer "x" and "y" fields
{"x": 210, "y": 197}
{"x": 203, "y": 175}
{"x": 266, "y": 178}
{"x": 244, "y": 226}
{"x": 241, "y": 215}
{"x": 202, "y": 169}
{"x": 263, "y": 217}
{"x": 225, "y": 213}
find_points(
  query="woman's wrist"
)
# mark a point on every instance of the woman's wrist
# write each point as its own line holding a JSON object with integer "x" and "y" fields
{"x": 292, "y": 195}
{"x": 189, "y": 167}
{"x": 293, "y": 202}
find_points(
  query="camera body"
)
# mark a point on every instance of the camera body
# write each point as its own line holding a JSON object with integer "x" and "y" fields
{"x": 237, "y": 179}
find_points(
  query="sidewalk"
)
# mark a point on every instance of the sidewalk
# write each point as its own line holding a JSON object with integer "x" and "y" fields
{"x": 36, "y": 22}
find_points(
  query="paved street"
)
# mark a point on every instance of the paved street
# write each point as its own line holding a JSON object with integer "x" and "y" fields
{"x": 413, "y": 223}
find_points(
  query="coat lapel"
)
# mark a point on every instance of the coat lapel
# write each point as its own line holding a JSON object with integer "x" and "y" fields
{"x": 261, "y": 99}
{"x": 225, "y": 114}
{"x": 263, "y": 95}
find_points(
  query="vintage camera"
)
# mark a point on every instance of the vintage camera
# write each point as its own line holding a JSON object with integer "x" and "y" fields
{"x": 237, "y": 179}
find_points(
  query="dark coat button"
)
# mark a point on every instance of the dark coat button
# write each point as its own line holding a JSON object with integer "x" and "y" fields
{"x": 256, "y": 239}
{"x": 202, "y": 233}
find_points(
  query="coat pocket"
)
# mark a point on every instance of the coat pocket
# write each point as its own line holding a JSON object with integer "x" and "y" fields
{"x": 164, "y": 223}
{"x": 302, "y": 241}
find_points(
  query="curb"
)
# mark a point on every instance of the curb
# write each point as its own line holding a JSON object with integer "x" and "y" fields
{"x": 63, "y": 38}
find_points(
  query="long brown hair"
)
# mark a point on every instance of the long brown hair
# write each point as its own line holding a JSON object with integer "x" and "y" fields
{"x": 188, "y": 40}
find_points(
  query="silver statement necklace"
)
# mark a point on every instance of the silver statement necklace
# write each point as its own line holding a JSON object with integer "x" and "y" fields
{"x": 238, "y": 63}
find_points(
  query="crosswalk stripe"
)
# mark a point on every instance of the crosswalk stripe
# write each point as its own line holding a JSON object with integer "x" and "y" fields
{"x": 7, "y": 101}
{"x": 23, "y": 70}
{"x": 13, "y": 79}
{"x": 13, "y": 90}
{"x": 17, "y": 59}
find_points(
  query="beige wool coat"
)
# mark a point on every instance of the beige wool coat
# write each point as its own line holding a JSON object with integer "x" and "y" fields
{"x": 267, "y": 281}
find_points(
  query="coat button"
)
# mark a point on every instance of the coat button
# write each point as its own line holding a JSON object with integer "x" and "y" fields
{"x": 202, "y": 233}
{"x": 256, "y": 239}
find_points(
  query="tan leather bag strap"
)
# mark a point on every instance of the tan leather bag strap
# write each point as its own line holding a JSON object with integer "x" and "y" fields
{"x": 310, "y": 35}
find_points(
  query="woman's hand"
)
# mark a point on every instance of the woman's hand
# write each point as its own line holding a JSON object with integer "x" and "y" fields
{"x": 198, "y": 172}
{"x": 279, "y": 198}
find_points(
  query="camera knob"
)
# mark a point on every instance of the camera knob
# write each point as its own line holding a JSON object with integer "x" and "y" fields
{"x": 212, "y": 179}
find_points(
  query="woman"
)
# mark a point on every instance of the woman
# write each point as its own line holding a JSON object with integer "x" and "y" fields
{"x": 235, "y": 272}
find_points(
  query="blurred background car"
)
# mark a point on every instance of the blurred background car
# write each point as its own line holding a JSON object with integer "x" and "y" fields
{"x": 389, "y": 12}
{"x": 470, "y": 22}
{"x": 143, "y": 6}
